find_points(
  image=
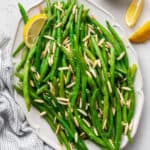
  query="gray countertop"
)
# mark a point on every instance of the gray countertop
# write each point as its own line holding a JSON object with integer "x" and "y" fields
{"x": 9, "y": 18}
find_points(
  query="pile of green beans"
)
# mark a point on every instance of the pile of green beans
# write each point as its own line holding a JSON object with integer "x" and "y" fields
{"x": 78, "y": 76}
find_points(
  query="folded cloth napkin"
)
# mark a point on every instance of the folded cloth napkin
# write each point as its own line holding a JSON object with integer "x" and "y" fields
{"x": 15, "y": 132}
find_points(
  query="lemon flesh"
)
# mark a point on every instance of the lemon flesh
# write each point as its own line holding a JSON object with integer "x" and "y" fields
{"x": 133, "y": 12}
{"x": 33, "y": 28}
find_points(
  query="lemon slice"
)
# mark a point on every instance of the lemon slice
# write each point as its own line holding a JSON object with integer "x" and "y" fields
{"x": 33, "y": 28}
{"x": 142, "y": 34}
{"x": 133, "y": 12}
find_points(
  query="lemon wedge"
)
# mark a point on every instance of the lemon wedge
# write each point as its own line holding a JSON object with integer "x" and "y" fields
{"x": 33, "y": 28}
{"x": 133, "y": 12}
{"x": 142, "y": 34}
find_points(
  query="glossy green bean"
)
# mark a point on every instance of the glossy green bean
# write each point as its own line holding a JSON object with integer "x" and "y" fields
{"x": 120, "y": 42}
{"x": 67, "y": 14}
{"x": 38, "y": 47}
{"x": 18, "y": 49}
{"x": 106, "y": 94}
{"x": 90, "y": 133}
{"x": 42, "y": 89}
{"x": 26, "y": 85}
{"x": 23, "y": 60}
{"x": 48, "y": 3}
{"x": 79, "y": 17}
{"x": 45, "y": 67}
{"x": 57, "y": 53}
{"x": 118, "y": 126}
{"x": 23, "y": 13}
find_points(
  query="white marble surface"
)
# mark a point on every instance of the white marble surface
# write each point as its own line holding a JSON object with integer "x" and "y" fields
{"x": 9, "y": 16}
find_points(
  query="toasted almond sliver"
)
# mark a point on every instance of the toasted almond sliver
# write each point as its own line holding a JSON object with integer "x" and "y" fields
{"x": 39, "y": 101}
{"x": 86, "y": 122}
{"x": 104, "y": 124}
{"x": 88, "y": 73}
{"x": 31, "y": 83}
{"x": 109, "y": 86}
{"x": 63, "y": 68}
{"x": 48, "y": 37}
{"x": 95, "y": 131}
{"x": 57, "y": 129}
{"x": 43, "y": 113}
{"x": 76, "y": 137}
{"x": 121, "y": 56}
{"x": 82, "y": 112}
{"x": 63, "y": 103}
{"x": 70, "y": 85}
{"x": 58, "y": 25}
{"x": 76, "y": 121}
{"x": 33, "y": 69}
{"x": 126, "y": 88}
{"x": 86, "y": 38}
{"x": 62, "y": 99}
{"x": 111, "y": 142}
{"x": 74, "y": 9}
{"x": 121, "y": 97}
{"x": 114, "y": 111}
{"x": 131, "y": 125}
{"x": 126, "y": 129}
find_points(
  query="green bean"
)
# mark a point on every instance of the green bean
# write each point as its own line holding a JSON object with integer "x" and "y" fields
{"x": 23, "y": 13}
{"x": 44, "y": 69}
{"x": 67, "y": 13}
{"x": 61, "y": 87}
{"x": 84, "y": 14}
{"x": 68, "y": 77}
{"x": 48, "y": 8}
{"x": 68, "y": 2}
{"x": 80, "y": 144}
{"x": 83, "y": 91}
{"x": 56, "y": 86}
{"x": 42, "y": 89}
{"x": 18, "y": 49}
{"x": 32, "y": 51}
{"x": 26, "y": 85}
{"x": 18, "y": 89}
{"x": 132, "y": 106}
{"x": 23, "y": 60}
{"x": 104, "y": 55}
{"x": 76, "y": 88}
{"x": 91, "y": 83}
{"x": 26, "y": 77}
{"x": 68, "y": 55}
{"x": 95, "y": 119}
{"x": 44, "y": 10}
{"x": 79, "y": 17}
{"x": 89, "y": 132}
{"x": 38, "y": 47}
{"x": 19, "y": 75}
{"x": 110, "y": 129}
{"x": 118, "y": 126}
{"x": 98, "y": 52}
{"x": 120, "y": 42}
{"x": 112, "y": 67}
{"x": 57, "y": 53}
{"x": 121, "y": 67}
{"x": 89, "y": 54}
{"x": 106, "y": 95}
{"x": 61, "y": 136}
{"x": 70, "y": 119}
{"x": 131, "y": 77}
{"x": 68, "y": 25}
